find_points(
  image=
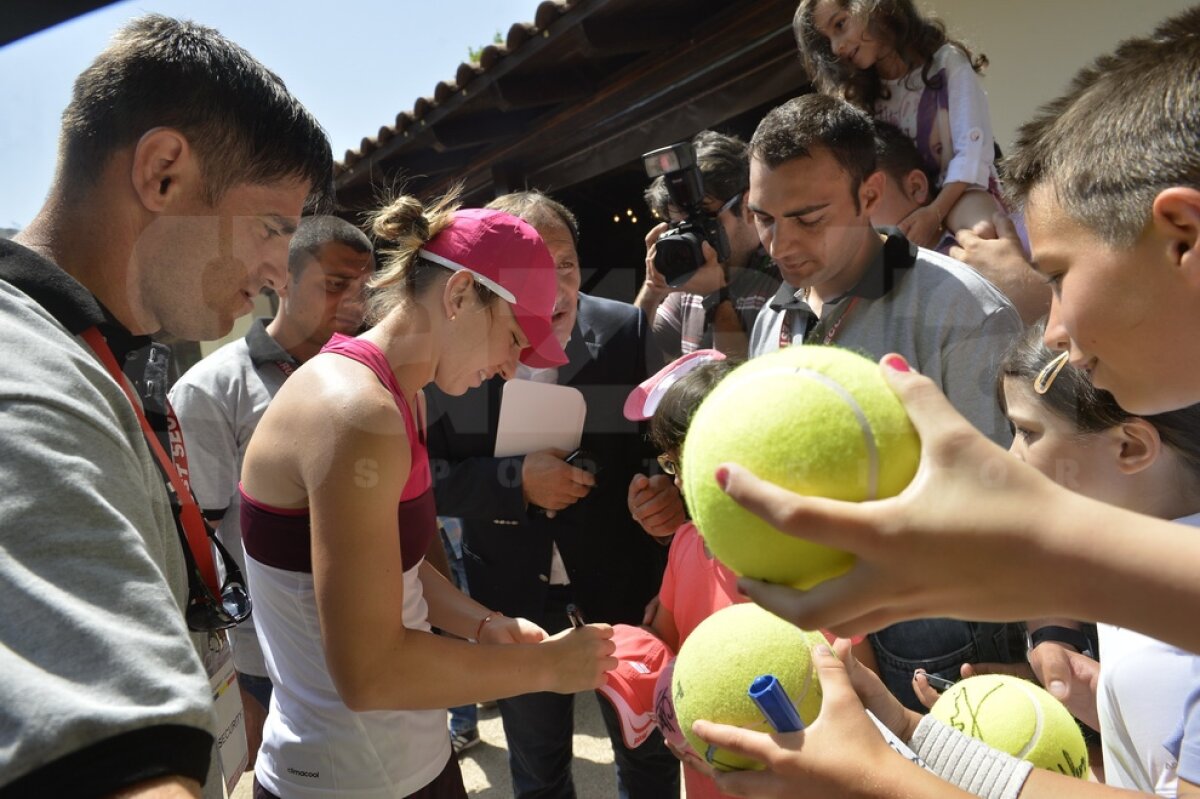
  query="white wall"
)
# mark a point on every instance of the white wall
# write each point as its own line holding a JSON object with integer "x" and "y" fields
{"x": 1036, "y": 46}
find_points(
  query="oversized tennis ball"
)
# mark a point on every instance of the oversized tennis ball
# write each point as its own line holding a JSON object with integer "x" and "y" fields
{"x": 820, "y": 421}
{"x": 1018, "y": 717}
{"x": 719, "y": 660}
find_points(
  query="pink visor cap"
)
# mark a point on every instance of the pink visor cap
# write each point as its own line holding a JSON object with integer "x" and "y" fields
{"x": 643, "y": 400}
{"x": 506, "y": 255}
{"x": 630, "y": 687}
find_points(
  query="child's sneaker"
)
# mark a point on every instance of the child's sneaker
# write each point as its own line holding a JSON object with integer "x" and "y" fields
{"x": 462, "y": 741}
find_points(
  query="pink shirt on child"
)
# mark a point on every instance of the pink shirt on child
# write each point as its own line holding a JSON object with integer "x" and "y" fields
{"x": 695, "y": 585}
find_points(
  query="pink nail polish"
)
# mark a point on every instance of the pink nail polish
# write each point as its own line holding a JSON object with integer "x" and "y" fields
{"x": 897, "y": 363}
{"x": 723, "y": 477}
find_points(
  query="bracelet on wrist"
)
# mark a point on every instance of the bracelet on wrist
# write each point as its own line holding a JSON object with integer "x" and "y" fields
{"x": 483, "y": 622}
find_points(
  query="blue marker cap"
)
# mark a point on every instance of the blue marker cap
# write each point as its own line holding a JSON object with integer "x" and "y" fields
{"x": 767, "y": 692}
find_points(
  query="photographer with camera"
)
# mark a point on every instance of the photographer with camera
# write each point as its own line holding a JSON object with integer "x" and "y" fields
{"x": 707, "y": 276}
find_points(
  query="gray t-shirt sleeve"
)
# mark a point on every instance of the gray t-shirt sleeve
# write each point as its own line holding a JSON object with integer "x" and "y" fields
{"x": 969, "y": 369}
{"x": 102, "y": 683}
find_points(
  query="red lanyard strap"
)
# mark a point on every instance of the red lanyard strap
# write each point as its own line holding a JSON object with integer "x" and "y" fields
{"x": 189, "y": 511}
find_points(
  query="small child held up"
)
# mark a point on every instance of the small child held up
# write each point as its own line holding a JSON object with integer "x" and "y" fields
{"x": 886, "y": 58}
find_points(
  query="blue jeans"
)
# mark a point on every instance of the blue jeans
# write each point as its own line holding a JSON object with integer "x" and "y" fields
{"x": 257, "y": 687}
{"x": 539, "y": 727}
{"x": 941, "y": 646}
{"x": 464, "y": 718}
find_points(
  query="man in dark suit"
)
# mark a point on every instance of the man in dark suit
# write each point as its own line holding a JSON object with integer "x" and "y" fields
{"x": 538, "y": 533}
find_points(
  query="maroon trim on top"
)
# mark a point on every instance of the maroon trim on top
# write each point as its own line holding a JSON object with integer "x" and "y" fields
{"x": 271, "y": 508}
{"x": 282, "y": 538}
{"x": 418, "y": 528}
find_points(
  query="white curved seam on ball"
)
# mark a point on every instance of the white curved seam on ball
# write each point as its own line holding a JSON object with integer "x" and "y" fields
{"x": 1037, "y": 727}
{"x": 864, "y": 425}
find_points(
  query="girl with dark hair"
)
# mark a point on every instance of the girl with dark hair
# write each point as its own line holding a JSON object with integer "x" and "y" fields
{"x": 1077, "y": 435}
{"x": 888, "y": 59}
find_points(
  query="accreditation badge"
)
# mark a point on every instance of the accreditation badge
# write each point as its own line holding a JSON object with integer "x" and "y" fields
{"x": 232, "y": 750}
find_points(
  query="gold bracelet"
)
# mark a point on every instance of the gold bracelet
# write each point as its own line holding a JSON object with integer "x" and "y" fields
{"x": 485, "y": 620}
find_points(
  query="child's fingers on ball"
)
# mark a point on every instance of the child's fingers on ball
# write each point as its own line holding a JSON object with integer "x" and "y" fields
{"x": 838, "y": 695}
{"x": 747, "y": 743}
{"x": 832, "y": 605}
{"x": 816, "y": 519}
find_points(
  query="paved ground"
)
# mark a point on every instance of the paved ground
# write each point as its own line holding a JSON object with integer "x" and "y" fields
{"x": 485, "y": 767}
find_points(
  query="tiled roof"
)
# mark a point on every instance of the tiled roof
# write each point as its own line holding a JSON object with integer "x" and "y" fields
{"x": 518, "y": 35}
{"x": 581, "y": 90}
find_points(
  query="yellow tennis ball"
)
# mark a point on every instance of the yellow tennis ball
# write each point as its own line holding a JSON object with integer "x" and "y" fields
{"x": 1018, "y": 717}
{"x": 719, "y": 660}
{"x": 819, "y": 421}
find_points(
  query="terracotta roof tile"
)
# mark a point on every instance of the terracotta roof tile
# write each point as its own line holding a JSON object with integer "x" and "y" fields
{"x": 518, "y": 35}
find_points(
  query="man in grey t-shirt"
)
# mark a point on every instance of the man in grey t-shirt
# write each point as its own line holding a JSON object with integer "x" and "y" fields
{"x": 813, "y": 186}
{"x": 183, "y": 168}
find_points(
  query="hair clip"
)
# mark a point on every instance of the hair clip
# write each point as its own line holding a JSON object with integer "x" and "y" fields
{"x": 1045, "y": 378}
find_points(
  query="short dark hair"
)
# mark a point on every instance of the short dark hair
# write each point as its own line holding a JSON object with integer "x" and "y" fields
{"x": 1126, "y": 129}
{"x": 537, "y": 208}
{"x": 724, "y": 163}
{"x": 236, "y": 114}
{"x": 313, "y": 232}
{"x": 669, "y": 425}
{"x": 896, "y": 153}
{"x": 1071, "y": 396}
{"x": 794, "y": 129}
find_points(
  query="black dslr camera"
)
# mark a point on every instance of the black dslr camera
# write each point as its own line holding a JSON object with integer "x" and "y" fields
{"x": 678, "y": 253}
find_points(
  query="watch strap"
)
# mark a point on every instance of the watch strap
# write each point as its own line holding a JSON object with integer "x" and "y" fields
{"x": 1062, "y": 635}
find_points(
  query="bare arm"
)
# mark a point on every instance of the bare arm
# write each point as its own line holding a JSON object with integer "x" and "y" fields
{"x": 995, "y": 251}
{"x": 975, "y": 515}
{"x": 374, "y": 660}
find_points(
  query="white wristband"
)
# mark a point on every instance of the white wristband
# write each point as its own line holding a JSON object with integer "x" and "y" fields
{"x": 968, "y": 763}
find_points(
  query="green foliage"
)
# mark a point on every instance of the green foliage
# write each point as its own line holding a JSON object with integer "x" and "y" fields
{"x": 474, "y": 53}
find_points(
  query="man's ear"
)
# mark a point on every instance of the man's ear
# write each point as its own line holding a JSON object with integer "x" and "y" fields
{"x": 744, "y": 205}
{"x": 1140, "y": 445}
{"x": 870, "y": 190}
{"x": 916, "y": 187}
{"x": 1175, "y": 214}
{"x": 162, "y": 163}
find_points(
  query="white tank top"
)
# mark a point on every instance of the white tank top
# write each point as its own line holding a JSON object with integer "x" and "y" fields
{"x": 314, "y": 747}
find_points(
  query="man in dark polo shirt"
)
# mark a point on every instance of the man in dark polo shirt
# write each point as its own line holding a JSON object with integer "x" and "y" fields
{"x": 183, "y": 168}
